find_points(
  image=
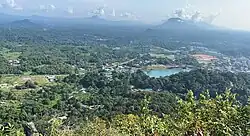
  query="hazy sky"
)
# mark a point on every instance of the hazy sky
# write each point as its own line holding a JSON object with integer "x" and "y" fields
{"x": 228, "y": 13}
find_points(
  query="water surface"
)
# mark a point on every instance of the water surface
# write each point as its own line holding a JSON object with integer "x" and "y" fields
{"x": 164, "y": 72}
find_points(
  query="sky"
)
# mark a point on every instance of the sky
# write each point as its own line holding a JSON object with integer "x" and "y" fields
{"x": 226, "y": 13}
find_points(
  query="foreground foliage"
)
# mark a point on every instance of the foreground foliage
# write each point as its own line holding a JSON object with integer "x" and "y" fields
{"x": 219, "y": 116}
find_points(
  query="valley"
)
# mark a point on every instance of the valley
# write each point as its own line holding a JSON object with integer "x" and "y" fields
{"x": 122, "y": 78}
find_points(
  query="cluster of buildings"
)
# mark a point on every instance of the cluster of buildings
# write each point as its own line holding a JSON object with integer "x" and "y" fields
{"x": 51, "y": 78}
{"x": 204, "y": 57}
{"x": 218, "y": 61}
{"x": 117, "y": 68}
{"x": 14, "y": 62}
{"x": 233, "y": 64}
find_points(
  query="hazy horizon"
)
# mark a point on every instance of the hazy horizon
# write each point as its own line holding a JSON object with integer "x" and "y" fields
{"x": 224, "y": 13}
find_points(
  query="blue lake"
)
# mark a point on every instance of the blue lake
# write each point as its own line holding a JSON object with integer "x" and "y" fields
{"x": 164, "y": 72}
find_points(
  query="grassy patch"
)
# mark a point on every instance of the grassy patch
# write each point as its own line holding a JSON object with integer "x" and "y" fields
{"x": 13, "y": 80}
{"x": 158, "y": 55}
{"x": 12, "y": 55}
{"x": 10, "y": 81}
{"x": 4, "y": 50}
{"x": 151, "y": 67}
{"x": 27, "y": 73}
{"x": 8, "y": 54}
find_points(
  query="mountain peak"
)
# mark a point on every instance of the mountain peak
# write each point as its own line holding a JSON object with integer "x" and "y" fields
{"x": 178, "y": 23}
{"x": 23, "y": 23}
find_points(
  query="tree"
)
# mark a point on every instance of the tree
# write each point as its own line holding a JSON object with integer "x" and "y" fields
{"x": 209, "y": 116}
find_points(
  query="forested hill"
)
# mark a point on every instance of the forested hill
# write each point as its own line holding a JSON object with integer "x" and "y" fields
{"x": 198, "y": 81}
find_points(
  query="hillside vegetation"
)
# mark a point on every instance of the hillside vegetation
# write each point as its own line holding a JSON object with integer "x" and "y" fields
{"x": 219, "y": 116}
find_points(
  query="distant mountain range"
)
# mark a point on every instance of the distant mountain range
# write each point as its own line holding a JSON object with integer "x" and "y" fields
{"x": 172, "y": 24}
{"x": 56, "y": 21}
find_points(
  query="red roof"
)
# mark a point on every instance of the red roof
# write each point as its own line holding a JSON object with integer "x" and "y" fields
{"x": 204, "y": 57}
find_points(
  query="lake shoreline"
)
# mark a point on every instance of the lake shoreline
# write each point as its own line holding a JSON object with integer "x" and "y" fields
{"x": 162, "y": 72}
{"x": 162, "y": 67}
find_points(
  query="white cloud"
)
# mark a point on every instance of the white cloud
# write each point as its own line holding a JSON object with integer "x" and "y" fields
{"x": 113, "y": 13}
{"x": 11, "y": 4}
{"x": 47, "y": 8}
{"x": 70, "y": 10}
{"x": 53, "y": 7}
{"x": 211, "y": 18}
{"x": 181, "y": 13}
{"x": 99, "y": 11}
{"x": 189, "y": 13}
{"x": 42, "y": 7}
{"x": 129, "y": 15}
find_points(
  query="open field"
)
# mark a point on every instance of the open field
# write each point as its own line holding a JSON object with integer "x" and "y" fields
{"x": 13, "y": 79}
{"x": 12, "y": 55}
{"x": 8, "y": 54}
{"x": 158, "y": 55}
{"x": 155, "y": 67}
{"x": 10, "y": 81}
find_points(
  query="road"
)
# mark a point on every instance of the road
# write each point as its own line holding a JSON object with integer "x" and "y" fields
{"x": 126, "y": 62}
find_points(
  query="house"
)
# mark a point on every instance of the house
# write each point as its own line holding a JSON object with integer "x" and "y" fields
{"x": 14, "y": 62}
{"x": 83, "y": 90}
{"x": 51, "y": 78}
